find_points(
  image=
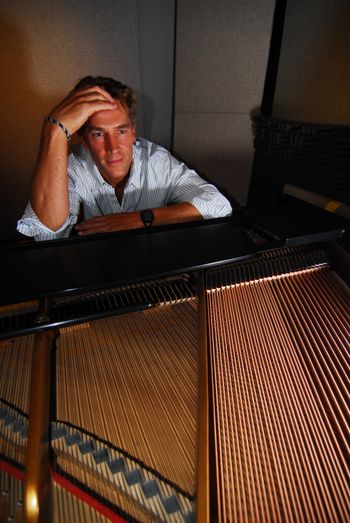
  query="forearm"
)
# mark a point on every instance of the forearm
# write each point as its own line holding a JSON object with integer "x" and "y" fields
{"x": 49, "y": 189}
{"x": 177, "y": 213}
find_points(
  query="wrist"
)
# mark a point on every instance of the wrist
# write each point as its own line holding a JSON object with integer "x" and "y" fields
{"x": 147, "y": 217}
{"x": 52, "y": 133}
{"x": 51, "y": 120}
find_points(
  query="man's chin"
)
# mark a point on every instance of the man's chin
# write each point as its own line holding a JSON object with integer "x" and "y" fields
{"x": 114, "y": 176}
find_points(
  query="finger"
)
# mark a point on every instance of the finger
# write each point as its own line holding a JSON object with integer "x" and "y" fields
{"x": 95, "y": 229}
{"x": 91, "y": 95}
{"x": 90, "y": 225}
{"x": 88, "y": 96}
{"x": 82, "y": 231}
{"x": 96, "y": 90}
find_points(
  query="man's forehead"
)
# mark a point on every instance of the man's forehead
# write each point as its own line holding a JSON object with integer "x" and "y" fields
{"x": 110, "y": 117}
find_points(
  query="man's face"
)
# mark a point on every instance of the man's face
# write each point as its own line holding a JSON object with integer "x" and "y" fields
{"x": 109, "y": 137}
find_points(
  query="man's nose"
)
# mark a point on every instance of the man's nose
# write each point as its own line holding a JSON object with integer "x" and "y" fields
{"x": 111, "y": 143}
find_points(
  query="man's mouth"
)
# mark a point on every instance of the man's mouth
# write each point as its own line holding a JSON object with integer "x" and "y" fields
{"x": 114, "y": 161}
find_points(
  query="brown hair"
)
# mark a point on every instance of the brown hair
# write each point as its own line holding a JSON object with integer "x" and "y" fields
{"x": 116, "y": 89}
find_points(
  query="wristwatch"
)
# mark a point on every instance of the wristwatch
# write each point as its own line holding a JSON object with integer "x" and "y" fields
{"x": 147, "y": 217}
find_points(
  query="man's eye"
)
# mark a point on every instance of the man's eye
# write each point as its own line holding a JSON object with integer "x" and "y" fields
{"x": 123, "y": 131}
{"x": 97, "y": 135}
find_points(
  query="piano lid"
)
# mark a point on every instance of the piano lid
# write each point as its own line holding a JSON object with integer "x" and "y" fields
{"x": 34, "y": 270}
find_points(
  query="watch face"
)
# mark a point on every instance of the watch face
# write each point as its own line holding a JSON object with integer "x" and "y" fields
{"x": 147, "y": 217}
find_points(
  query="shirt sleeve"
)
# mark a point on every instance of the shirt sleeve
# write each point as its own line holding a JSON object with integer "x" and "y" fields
{"x": 30, "y": 225}
{"x": 187, "y": 186}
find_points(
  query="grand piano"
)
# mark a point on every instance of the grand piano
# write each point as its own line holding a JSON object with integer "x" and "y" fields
{"x": 189, "y": 373}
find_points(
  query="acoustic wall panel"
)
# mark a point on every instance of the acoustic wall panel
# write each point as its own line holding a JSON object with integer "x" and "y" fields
{"x": 221, "y": 58}
{"x": 219, "y": 147}
{"x": 313, "y": 79}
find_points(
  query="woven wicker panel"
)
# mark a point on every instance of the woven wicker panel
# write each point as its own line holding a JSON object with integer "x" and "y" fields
{"x": 313, "y": 156}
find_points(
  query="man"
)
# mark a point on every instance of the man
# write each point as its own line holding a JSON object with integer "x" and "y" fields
{"x": 121, "y": 182}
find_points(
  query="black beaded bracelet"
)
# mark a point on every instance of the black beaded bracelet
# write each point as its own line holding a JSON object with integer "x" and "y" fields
{"x": 56, "y": 122}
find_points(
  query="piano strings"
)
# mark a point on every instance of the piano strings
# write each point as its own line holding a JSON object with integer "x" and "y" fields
{"x": 280, "y": 374}
{"x": 126, "y": 389}
{"x": 124, "y": 437}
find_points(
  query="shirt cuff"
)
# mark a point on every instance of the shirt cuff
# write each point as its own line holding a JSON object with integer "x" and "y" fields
{"x": 32, "y": 226}
{"x": 212, "y": 205}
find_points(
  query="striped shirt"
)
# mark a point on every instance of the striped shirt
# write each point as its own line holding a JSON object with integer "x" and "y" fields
{"x": 156, "y": 179}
